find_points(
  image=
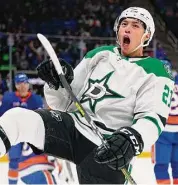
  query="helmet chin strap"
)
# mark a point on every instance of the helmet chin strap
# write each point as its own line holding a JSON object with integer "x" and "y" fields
{"x": 141, "y": 43}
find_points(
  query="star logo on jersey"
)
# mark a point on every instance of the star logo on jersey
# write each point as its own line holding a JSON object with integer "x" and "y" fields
{"x": 98, "y": 90}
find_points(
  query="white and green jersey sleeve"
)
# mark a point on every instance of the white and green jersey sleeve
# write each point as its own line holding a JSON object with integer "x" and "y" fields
{"x": 153, "y": 100}
{"x": 118, "y": 91}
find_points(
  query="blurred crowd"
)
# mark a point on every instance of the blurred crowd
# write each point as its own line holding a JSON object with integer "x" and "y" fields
{"x": 75, "y": 22}
{"x": 169, "y": 8}
{"x": 65, "y": 17}
{"x": 169, "y": 11}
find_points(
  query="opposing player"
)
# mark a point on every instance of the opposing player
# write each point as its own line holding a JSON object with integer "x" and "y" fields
{"x": 22, "y": 97}
{"x": 23, "y": 163}
{"x": 166, "y": 147}
{"x": 126, "y": 94}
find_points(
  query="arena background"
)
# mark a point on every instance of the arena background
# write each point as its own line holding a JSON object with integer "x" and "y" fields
{"x": 73, "y": 27}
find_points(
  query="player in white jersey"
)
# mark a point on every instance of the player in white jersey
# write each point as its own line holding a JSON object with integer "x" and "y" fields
{"x": 127, "y": 96}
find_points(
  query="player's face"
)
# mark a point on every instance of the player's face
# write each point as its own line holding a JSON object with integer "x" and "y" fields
{"x": 22, "y": 87}
{"x": 130, "y": 34}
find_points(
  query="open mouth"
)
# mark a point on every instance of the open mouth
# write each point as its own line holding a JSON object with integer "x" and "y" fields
{"x": 126, "y": 40}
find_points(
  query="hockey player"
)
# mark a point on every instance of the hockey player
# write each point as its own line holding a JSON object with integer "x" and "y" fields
{"x": 166, "y": 147}
{"x": 126, "y": 94}
{"x": 22, "y": 97}
{"x": 23, "y": 163}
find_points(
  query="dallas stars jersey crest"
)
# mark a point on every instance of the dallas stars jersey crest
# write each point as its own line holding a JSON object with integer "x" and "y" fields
{"x": 117, "y": 91}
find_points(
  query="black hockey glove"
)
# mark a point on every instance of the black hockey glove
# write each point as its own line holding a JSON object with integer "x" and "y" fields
{"x": 47, "y": 72}
{"x": 121, "y": 147}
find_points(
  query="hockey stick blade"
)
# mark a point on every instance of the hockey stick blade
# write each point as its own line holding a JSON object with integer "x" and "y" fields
{"x": 46, "y": 44}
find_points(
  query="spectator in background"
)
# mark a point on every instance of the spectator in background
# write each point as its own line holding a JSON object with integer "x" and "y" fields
{"x": 34, "y": 53}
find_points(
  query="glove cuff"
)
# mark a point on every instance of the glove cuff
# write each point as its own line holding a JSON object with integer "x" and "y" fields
{"x": 134, "y": 138}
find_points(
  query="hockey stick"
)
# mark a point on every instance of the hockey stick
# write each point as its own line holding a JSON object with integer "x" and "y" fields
{"x": 46, "y": 44}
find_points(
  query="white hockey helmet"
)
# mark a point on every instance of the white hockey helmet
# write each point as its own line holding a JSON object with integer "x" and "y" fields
{"x": 140, "y": 14}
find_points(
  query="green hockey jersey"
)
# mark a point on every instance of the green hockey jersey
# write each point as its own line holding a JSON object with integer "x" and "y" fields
{"x": 117, "y": 91}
